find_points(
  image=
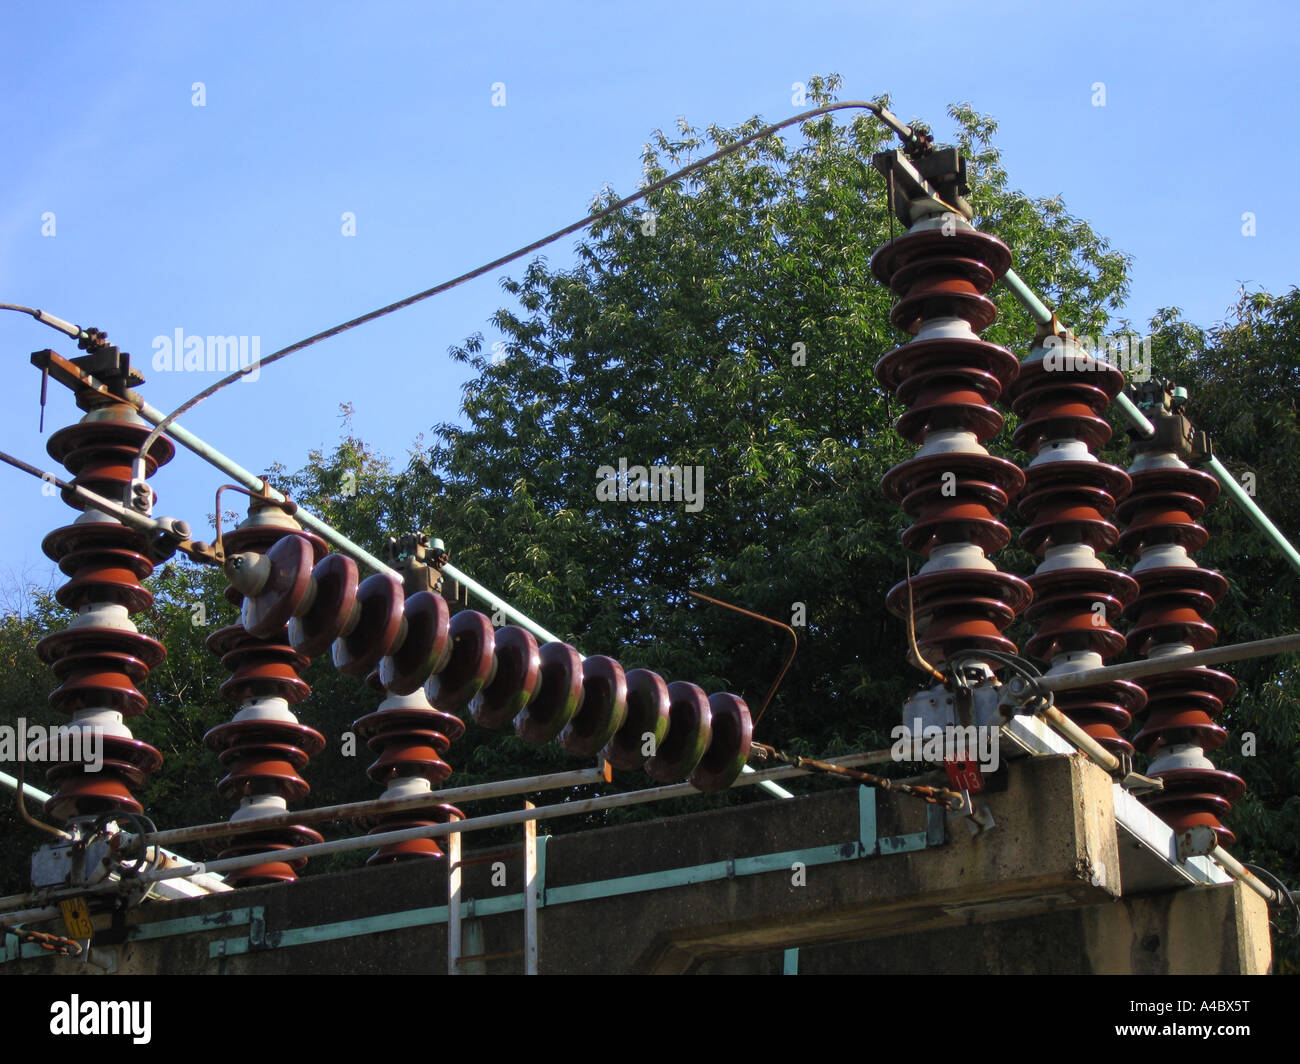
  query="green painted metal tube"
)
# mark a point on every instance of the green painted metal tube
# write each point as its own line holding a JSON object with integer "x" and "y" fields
{"x": 1135, "y": 416}
{"x": 35, "y": 794}
{"x": 1252, "y": 510}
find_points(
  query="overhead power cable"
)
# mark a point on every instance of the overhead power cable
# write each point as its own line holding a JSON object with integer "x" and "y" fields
{"x": 913, "y": 141}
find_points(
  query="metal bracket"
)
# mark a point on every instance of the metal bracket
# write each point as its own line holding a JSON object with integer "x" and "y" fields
{"x": 1198, "y": 841}
{"x": 978, "y": 818}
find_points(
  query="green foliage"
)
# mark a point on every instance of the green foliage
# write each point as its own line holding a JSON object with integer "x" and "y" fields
{"x": 677, "y": 344}
{"x": 1243, "y": 377}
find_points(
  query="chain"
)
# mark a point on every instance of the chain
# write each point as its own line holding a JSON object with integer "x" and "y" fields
{"x": 931, "y": 795}
{"x": 64, "y": 947}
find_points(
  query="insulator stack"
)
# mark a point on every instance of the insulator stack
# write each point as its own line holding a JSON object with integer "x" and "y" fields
{"x": 1060, "y": 396}
{"x": 948, "y": 378}
{"x": 432, "y": 668}
{"x": 101, "y": 659}
{"x": 407, "y": 732}
{"x": 1178, "y": 725}
{"x": 264, "y": 748}
{"x": 409, "y": 736}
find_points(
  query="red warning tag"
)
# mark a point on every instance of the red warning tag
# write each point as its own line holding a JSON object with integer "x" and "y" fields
{"x": 964, "y": 775}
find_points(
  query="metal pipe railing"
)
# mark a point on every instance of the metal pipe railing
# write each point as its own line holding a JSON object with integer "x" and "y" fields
{"x": 1132, "y": 670}
{"x": 483, "y": 823}
{"x": 376, "y": 806}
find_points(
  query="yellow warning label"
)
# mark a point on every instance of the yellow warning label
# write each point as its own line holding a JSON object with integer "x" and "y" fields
{"x": 76, "y": 918}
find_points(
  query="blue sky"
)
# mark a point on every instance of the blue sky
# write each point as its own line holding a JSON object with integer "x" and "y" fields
{"x": 225, "y": 219}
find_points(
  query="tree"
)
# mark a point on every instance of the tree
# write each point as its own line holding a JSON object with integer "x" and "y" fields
{"x": 731, "y": 323}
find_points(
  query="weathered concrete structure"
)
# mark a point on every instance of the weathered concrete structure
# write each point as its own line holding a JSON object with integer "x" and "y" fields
{"x": 855, "y": 881}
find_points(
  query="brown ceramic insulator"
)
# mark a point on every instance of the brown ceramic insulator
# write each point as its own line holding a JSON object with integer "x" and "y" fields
{"x": 516, "y": 677}
{"x": 263, "y": 841}
{"x": 1060, "y": 396}
{"x": 126, "y": 764}
{"x": 469, "y": 666}
{"x": 1170, "y": 610}
{"x": 645, "y": 723}
{"x": 265, "y": 528}
{"x": 1181, "y": 707}
{"x": 286, "y": 589}
{"x": 973, "y": 372}
{"x": 105, "y": 563}
{"x": 412, "y": 849}
{"x": 266, "y": 756}
{"x": 1075, "y": 610}
{"x": 559, "y": 696}
{"x": 380, "y": 603}
{"x": 1197, "y": 797}
{"x": 1069, "y": 502}
{"x": 961, "y": 609}
{"x": 964, "y": 515}
{"x": 1104, "y": 711}
{"x": 425, "y": 647}
{"x": 690, "y": 727}
{"x": 902, "y": 262}
{"x": 1171, "y": 606}
{"x": 100, "y": 450}
{"x": 99, "y": 667}
{"x": 949, "y": 398}
{"x": 952, "y": 499}
{"x": 945, "y": 475}
{"x": 335, "y": 580}
{"x": 949, "y": 384}
{"x": 603, "y": 709}
{"x": 731, "y": 734}
{"x": 1060, "y": 406}
{"x": 935, "y": 288}
{"x": 261, "y": 668}
{"x": 1163, "y": 507}
{"x": 409, "y": 741}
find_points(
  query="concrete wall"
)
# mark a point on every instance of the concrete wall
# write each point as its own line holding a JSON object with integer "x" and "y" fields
{"x": 1041, "y": 892}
